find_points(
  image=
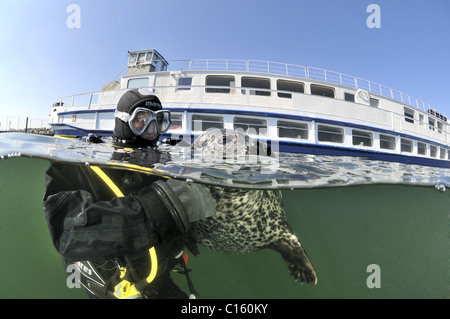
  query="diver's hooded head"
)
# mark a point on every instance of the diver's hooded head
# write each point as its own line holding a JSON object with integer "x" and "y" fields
{"x": 131, "y": 100}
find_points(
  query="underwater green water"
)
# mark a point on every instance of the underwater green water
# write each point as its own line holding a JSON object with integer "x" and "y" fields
{"x": 402, "y": 229}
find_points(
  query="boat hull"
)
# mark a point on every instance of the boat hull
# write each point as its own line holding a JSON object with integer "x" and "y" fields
{"x": 278, "y": 145}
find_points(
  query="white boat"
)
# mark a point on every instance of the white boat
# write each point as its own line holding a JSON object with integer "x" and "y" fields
{"x": 294, "y": 108}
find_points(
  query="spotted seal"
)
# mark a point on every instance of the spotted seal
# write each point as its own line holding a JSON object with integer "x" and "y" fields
{"x": 247, "y": 220}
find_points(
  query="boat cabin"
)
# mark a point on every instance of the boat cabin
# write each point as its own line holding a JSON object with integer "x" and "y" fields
{"x": 145, "y": 61}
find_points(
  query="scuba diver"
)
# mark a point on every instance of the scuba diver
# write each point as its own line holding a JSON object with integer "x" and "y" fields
{"x": 123, "y": 230}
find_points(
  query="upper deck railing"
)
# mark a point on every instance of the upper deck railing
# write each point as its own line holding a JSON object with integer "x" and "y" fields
{"x": 281, "y": 69}
{"x": 298, "y": 71}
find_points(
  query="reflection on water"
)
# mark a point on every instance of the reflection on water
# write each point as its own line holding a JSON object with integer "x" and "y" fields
{"x": 391, "y": 215}
{"x": 277, "y": 171}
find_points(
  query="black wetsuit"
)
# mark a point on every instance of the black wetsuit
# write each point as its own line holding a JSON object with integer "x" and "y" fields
{"x": 88, "y": 222}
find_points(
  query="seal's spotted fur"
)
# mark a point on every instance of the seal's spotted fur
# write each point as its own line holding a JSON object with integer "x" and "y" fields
{"x": 248, "y": 220}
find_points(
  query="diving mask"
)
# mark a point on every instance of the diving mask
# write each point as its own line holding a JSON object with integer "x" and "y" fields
{"x": 141, "y": 118}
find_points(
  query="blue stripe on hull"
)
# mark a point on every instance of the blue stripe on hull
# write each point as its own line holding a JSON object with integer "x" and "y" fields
{"x": 64, "y": 129}
{"x": 337, "y": 151}
{"x": 293, "y": 147}
{"x": 257, "y": 114}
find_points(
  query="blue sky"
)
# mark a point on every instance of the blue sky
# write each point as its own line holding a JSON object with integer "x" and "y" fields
{"x": 41, "y": 59}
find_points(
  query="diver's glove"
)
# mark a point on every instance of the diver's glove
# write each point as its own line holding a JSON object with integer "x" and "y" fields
{"x": 170, "y": 207}
{"x": 195, "y": 198}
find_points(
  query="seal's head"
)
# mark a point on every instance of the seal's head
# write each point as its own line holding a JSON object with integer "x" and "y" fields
{"x": 223, "y": 143}
{"x": 139, "y": 119}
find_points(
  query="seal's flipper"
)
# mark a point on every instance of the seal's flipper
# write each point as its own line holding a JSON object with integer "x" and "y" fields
{"x": 299, "y": 265}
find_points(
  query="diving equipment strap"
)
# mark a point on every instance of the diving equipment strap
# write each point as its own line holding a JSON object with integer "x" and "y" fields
{"x": 126, "y": 289}
{"x": 107, "y": 180}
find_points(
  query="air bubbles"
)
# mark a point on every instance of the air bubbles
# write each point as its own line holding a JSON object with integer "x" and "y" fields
{"x": 17, "y": 154}
{"x": 440, "y": 188}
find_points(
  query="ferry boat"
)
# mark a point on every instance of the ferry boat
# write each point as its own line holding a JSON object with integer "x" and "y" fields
{"x": 294, "y": 108}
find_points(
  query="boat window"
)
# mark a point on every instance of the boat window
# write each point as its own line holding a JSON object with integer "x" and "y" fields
{"x": 362, "y": 138}
{"x": 322, "y": 90}
{"x": 137, "y": 83}
{"x": 439, "y": 126}
{"x": 256, "y": 83}
{"x": 219, "y": 80}
{"x": 251, "y": 126}
{"x": 292, "y": 129}
{"x": 421, "y": 148}
{"x": 431, "y": 123}
{"x": 374, "y": 102}
{"x": 177, "y": 121}
{"x": 74, "y": 118}
{"x": 132, "y": 59}
{"x": 406, "y": 145}
{"x": 433, "y": 151}
{"x": 409, "y": 115}
{"x": 349, "y": 97}
{"x": 291, "y": 86}
{"x": 202, "y": 122}
{"x": 184, "y": 83}
{"x": 387, "y": 142}
{"x": 421, "y": 119}
{"x": 442, "y": 153}
{"x": 330, "y": 134}
{"x": 141, "y": 57}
